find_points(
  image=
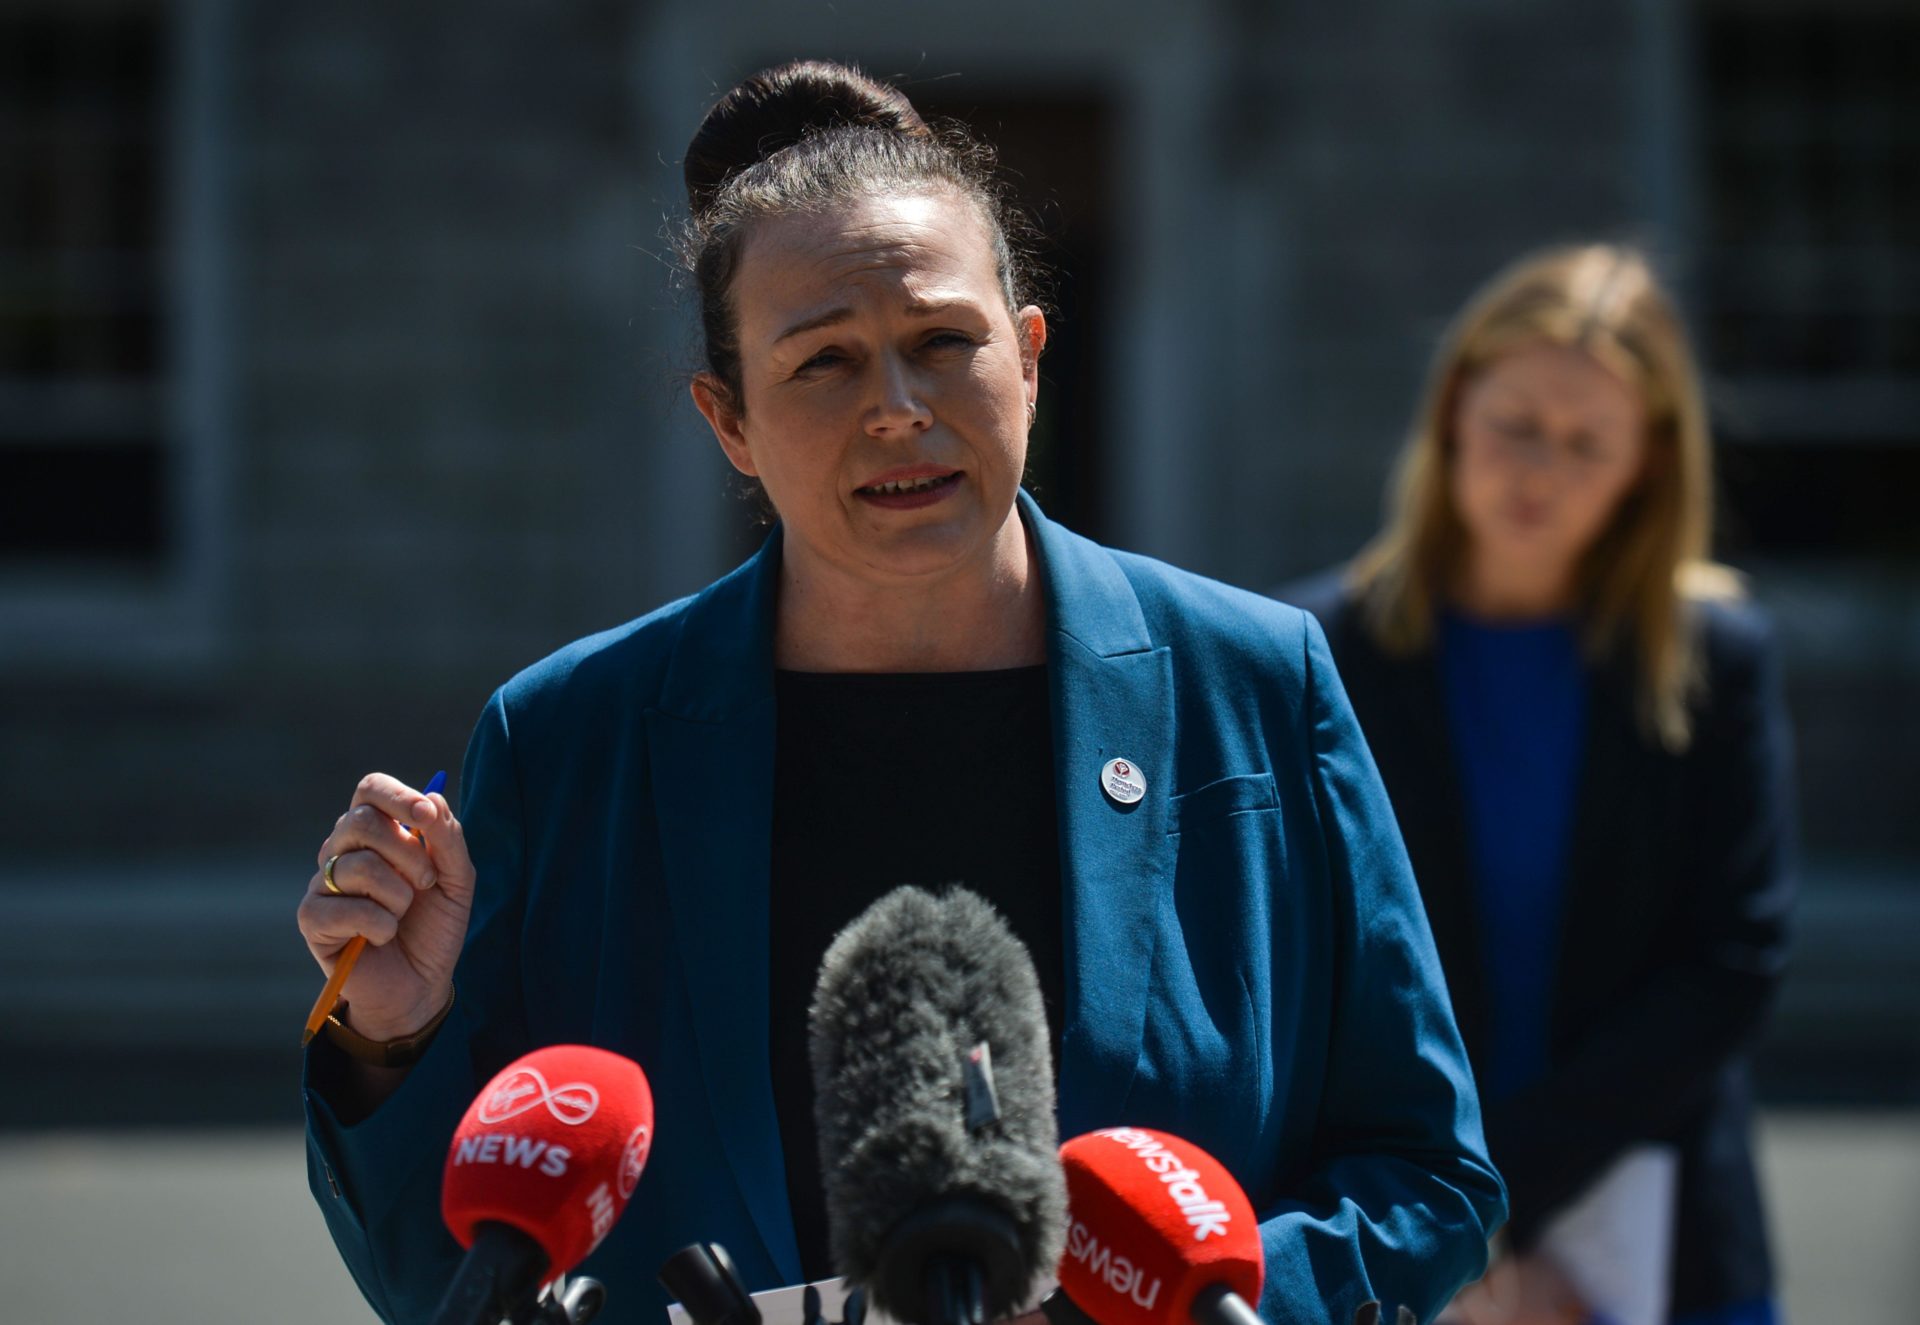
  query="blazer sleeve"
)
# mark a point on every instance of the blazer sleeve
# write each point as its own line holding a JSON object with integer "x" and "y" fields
{"x": 377, "y": 1178}
{"x": 1645, "y": 1068}
{"x": 1400, "y": 1197}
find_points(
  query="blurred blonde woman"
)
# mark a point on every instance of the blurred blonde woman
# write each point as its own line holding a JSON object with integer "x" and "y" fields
{"x": 1580, "y": 725}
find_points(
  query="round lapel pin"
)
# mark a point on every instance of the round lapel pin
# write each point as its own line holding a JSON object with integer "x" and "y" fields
{"x": 1122, "y": 782}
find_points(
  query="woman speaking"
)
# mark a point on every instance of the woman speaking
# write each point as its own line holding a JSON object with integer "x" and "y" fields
{"x": 1581, "y": 727}
{"x": 918, "y": 678}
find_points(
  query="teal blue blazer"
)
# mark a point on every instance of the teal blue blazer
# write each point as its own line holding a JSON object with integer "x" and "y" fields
{"x": 1248, "y": 964}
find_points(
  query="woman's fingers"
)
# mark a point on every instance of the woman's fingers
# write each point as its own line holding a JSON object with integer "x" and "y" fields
{"x": 389, "y": 795}
{"x": 436, "y": 831}
{"x": 366, "y": 874}
{"x": 329, "y": 923}
{"x": 373, "y": 823}
{"x": 446, "y": 844}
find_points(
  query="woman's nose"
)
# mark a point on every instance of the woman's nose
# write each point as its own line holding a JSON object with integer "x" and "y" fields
{"x": 1535, "y": 453}
{"x": 1544, "y": 456}
{"x": 900, "y": 405}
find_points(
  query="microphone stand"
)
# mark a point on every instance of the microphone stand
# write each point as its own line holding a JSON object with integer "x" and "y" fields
{"x": 571, "y": 1300}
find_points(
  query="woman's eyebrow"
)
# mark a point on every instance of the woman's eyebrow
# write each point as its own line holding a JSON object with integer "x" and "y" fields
{"x": 1509, "y": 393}
{"x": 835, "y": 316}
{"x": 832, "y": 317}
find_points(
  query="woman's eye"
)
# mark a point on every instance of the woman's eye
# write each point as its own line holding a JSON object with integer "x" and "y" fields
{"x": 824, "y": 359}
{"x": 949, "y": 340}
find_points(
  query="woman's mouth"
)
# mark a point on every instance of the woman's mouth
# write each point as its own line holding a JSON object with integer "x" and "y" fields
{"x": 909, "y": 493}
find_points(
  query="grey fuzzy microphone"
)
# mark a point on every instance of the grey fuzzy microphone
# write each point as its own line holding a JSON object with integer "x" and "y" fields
{"x": 933, "y": 1091}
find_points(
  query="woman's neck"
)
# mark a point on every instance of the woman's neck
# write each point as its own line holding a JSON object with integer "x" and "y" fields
{"x": 975, "y": 618}
{"x": 1509, "y": 589}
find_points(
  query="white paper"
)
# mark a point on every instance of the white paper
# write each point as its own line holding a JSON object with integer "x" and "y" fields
{"x": 1615, "y": 1243}
{"x": 787, "y": 1306}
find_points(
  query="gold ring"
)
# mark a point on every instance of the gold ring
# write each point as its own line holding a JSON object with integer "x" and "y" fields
{"x": 326, "y": 877}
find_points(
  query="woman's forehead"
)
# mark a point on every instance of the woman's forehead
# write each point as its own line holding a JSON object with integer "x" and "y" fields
{"x": 912, "y": 249}
{"x": 1541, "y": 371}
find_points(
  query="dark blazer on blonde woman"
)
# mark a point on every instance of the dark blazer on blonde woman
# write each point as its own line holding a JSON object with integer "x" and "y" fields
{"x": 1673, "y": 930}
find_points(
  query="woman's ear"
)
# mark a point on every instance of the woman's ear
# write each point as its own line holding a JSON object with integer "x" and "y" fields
{"x": 717, "y": 405}
{"x": 1032, "y": 325}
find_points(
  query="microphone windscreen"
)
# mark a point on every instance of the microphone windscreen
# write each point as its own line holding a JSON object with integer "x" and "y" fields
{"x": 553, "y": 1146}
{"x": 1152, "y": 1222}
{"x": 906, "y": 993}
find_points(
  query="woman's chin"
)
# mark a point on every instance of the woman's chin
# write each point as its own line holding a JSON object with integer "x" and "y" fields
{"x": 1528, "y": 539}
{"x": 924, "y": 553}
{"x": 940, "y": 541}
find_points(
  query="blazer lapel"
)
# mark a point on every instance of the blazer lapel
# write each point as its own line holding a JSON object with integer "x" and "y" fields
{"x": 1416, "y": 745}
{"x": 711, "y": 744}
{"x": 1612, "y": 789}
{"x": 1112, "y": 694}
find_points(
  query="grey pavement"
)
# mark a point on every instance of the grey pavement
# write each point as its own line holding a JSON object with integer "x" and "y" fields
{"x": 209, "y": 1227}
{"x": 184, "y": 1228}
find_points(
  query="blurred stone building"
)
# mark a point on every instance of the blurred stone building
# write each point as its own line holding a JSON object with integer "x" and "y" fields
{"x": 342, "y": 374}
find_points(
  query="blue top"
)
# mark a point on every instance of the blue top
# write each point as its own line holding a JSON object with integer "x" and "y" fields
{"x": 1248, "y": 965}
{"x": 1516, "y": 711}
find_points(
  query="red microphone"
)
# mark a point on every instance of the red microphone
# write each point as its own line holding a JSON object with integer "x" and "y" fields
{"x": 1158, "y": 1233}
{"x": 542, "y": 1164}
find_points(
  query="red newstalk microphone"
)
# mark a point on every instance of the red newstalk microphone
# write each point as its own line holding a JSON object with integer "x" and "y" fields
{"x": 1158, "y": 1233}
{"x": 542, "y": 1164}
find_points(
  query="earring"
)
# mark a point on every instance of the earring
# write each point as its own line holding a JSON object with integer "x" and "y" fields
{"x": 1033, "y": 413}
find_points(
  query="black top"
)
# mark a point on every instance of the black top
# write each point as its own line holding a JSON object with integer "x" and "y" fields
{"x": 886, "y": 779}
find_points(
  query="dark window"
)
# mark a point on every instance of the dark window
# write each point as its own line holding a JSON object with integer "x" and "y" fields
{"x": 82, "y": 460}
{"x": 1810, "y": 271}
{"x": 1793, "y": 498}
{"x": 1056, "y": 154}
{"x": 1812, "y": 253}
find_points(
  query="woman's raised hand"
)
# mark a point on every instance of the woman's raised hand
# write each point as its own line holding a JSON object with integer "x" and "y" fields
{"x": 408, "y": 894}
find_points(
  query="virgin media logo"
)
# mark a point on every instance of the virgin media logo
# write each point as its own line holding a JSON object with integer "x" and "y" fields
{"x": 634, "y": 1158}
{"x": 524, "y": 1088}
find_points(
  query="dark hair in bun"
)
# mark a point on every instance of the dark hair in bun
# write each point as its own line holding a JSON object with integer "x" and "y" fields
{"x": 776, "y": 108}
{"x": 807, "y": 137}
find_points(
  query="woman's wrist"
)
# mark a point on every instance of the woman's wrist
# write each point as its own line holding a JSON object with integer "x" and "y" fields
{"x": 387, "y": 1042}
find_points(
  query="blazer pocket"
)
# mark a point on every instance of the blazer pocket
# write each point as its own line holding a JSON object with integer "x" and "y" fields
{"x": 1243, "y": 793}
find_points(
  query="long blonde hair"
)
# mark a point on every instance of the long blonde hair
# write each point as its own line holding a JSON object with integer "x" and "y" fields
{"x": 1638, "y": 582}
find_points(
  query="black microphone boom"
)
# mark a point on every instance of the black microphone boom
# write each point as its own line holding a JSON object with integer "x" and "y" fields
{"x": 933, "y": 1089}
{"x": 497, "y": 1278}
{"x": 702, "y": 1279}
